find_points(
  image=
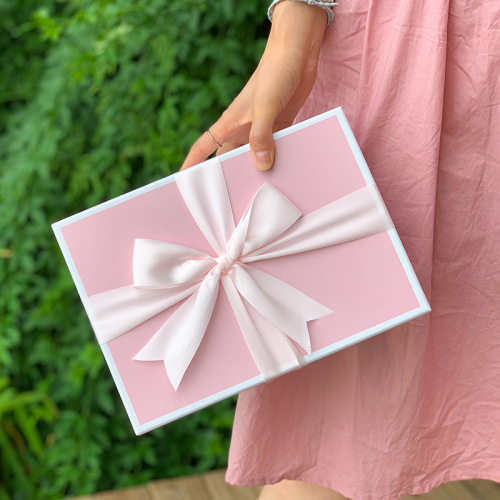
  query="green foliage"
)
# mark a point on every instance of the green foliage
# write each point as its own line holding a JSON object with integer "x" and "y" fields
{"x": 21, "y": 443}
{"x": 97, "y": 97}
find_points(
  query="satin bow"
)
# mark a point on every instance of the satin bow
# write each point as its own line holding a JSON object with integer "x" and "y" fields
{"x": 269, "y": 311}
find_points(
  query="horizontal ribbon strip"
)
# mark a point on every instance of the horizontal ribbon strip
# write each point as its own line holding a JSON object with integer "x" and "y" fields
{"x": 269, "y": 311}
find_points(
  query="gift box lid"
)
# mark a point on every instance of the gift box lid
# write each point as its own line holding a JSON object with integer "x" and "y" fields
{"x": 221, "y": 277}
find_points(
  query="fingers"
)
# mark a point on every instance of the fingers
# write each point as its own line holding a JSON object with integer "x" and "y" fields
{"x": 255, "y": 114}
{"x": 230, "y": 128}
{"x": 201, "y": 149}
{"x": 227, "y": 131}
{"x": 261, "y": 139}
{"x": 279, "y": 77}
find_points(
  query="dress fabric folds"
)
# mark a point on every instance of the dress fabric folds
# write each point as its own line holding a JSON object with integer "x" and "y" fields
{"x": 418, "y": 405}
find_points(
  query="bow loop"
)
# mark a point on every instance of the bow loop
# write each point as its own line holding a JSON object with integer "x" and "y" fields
{"x": 268, "y": 215}
{"x": 160, "y": 264}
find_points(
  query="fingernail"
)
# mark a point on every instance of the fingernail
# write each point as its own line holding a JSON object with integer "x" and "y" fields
{"x": 263, "y": 160}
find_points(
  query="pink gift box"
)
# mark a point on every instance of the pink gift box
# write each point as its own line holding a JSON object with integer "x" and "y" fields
{"x": 369, "y": 282}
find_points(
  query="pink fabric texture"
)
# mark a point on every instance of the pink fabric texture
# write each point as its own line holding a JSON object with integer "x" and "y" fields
{"x": 419, "y": 405}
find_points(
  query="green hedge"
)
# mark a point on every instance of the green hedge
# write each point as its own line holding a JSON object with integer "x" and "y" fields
{"x": 97, "y": 97}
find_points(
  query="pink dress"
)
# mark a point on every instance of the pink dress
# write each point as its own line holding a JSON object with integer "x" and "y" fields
{"x": 419, "y": 405}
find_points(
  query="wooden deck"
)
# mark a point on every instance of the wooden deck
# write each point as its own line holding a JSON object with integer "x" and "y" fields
{"x": 212, "y": 486}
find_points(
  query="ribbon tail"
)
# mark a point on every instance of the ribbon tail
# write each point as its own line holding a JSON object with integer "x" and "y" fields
{"x": 177, "y": 341}
{"x": 354, "y": 216}
{"x": 282, "y": 304}
{"x": 117, "y": 311}
{"x": 273, "y": 353}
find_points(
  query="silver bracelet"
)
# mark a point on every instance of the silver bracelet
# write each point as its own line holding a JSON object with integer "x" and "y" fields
{"x": 318, "y": 3}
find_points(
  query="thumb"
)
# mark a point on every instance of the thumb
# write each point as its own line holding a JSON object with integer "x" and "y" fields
{"x": 261, "y": 138}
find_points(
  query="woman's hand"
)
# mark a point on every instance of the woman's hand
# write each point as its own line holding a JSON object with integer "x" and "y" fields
{"x": 275, "y": 92}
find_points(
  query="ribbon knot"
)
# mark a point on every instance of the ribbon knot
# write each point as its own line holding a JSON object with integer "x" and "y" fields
{"x": 225, "y": 262}
{"x": 270, "y": 312}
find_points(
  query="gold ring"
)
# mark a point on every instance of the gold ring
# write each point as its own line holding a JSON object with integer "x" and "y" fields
{"x": 212, "y": 137}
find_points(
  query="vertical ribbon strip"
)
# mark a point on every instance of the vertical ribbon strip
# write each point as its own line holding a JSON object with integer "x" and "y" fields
{"x": 269, "y": 312}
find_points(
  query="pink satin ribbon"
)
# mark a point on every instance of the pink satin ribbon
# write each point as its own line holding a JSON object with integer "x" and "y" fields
{"x": 269, "y": 311}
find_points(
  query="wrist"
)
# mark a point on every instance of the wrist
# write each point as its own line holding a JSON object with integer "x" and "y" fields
{"x": 298, "y": 27}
